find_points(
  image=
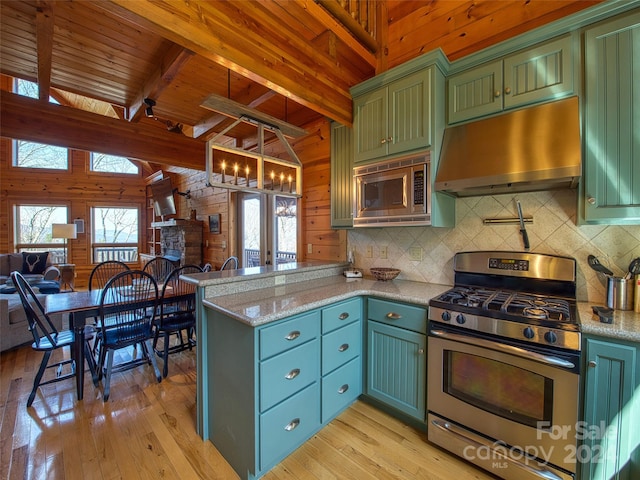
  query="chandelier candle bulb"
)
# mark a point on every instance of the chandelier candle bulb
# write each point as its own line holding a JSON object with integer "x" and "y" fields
{"x": 281, "y": 181}
{"x": 289, "y": 183}
{"x": 223, "y": 167}
{"x": 273, "y": 176}
{"x": 235, "y": 174}
{"x": 246, "y": 171}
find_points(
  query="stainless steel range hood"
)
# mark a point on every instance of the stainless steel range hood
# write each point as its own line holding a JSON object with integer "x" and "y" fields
{"x": 536, "y": 148}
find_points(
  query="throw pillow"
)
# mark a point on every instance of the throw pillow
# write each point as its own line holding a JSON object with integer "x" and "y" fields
{"x": 34, "y": 262}
{"x": 15, "y": 262}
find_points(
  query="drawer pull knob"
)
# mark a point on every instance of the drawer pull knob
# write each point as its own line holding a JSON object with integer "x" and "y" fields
{"x": 292, "y": 374}
{"x": 394, "y": 316}
{"x": 343, "y": 388}
{"x": 343, "y": 316}
{"x": 344, "y": 347}
{"x": 507, "y": 90}
{"x": 292, "y": 424}
{"x": 420, "y": 351}
{"x": 293, "y": 335}
{"x": 592, "y": 364}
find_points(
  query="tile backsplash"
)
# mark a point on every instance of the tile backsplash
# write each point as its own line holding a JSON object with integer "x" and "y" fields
{"x": 425, "y": 254}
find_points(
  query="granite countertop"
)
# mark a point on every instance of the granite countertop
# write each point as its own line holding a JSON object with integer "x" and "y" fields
{"x": 268, "y": 304}
{"x": 264, "y": 305}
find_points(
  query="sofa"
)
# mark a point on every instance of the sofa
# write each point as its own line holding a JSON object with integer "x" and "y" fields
{"x": 39, "y": 272}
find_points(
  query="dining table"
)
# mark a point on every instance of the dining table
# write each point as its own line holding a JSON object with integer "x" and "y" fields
{"x": 81, "y": 305}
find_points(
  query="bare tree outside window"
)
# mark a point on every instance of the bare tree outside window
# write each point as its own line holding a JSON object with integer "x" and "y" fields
{"x": 102, "y": 162}
{"x": 33, "y": 229}
{"x": 115, "y": 234}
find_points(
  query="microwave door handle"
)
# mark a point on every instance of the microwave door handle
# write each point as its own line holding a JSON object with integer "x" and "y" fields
{"x": 504, "y": 348}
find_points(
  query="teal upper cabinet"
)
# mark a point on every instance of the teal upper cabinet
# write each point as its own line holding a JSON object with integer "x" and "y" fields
{"x": 611, "y": 444}
{"x": 541, "y": 73}
{"x": 341, "y": 176}
{"x": 395, "y": 118}
{"x": 611, "y": 190}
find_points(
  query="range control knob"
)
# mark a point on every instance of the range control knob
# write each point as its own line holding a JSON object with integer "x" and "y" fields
{"x": 460, "y": 319}
{"x": 551, "y": 337}
{"x": 446, "y": 316}
{"x": 528, "y": 333}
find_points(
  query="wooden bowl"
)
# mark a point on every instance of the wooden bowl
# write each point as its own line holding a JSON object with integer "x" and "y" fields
{"x": 384, "y": 274}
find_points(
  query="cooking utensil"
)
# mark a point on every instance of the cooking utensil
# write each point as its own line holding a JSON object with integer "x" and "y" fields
{"x": 595, "y": 264}
{"x": 634, "y": 267}
{"x": 523, "y": 231}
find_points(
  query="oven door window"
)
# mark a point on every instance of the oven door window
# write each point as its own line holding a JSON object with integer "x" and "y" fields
{"x": 500, "y": 388}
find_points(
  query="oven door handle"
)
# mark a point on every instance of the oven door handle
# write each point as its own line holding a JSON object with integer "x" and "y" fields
{"x": 502, "y": 347}
{"x": 451, "y": 429}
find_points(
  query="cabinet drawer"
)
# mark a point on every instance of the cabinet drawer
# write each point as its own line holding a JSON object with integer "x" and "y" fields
{"x": 286, "y": 426}
{"x": 340, "y": 346}
{"x": 341, "y": 388}
{"x": 285, "y": 374}
{"x": 398, "y": 314}
{"x": 341, "y": 314}
{"x": 289, "y": 334}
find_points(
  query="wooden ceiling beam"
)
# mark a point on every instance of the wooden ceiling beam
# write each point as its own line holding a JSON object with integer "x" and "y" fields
{"x": 160, "y": 79}
{"x": 348, "y": 38}
{"x": 339, "y": 12}
{"x": 233, "y": 38}
{"x": 44, "y": 41}
{"x": 30, "y": 119}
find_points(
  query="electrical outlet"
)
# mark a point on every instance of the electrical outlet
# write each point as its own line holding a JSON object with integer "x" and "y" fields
{"x": 415, "y": 253}
{"x": 383, "y": 252}
{"x": 369, "y": 251}
{"x": 309, "y": 248}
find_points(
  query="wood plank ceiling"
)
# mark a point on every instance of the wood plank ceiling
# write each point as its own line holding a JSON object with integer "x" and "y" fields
{"x": 292, "y": 59}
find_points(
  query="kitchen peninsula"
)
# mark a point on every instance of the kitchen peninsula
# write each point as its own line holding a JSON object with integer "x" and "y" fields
{"x": 255, "y": 419}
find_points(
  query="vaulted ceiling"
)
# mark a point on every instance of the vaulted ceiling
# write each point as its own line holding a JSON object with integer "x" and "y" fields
{"x": 294, "y": 60}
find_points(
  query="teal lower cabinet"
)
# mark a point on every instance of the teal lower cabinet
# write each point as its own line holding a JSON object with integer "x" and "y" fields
{"x": 266, "y": 390}
{"x": 396, "y": 356}
{"x": 610, "y": 448}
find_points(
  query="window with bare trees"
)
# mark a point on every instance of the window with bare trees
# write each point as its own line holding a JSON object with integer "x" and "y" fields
{"x": 115, "y": 233}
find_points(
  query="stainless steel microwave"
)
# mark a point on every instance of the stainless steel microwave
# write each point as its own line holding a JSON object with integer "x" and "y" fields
{"x": 396, "y": 192}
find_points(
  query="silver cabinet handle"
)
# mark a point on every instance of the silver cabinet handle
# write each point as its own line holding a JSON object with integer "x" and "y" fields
{"x": 292, "y": 374}
{"x": 592, "y": 364}
{"x": 420, "y": 351}
{"x": 343, "y": 316}
{"x": 344, "y": 347}
{"x": 591, "y": 200}
{"x": 507, "y": 90}
{"x": 497, "y": 94}
{"x": 394, "y": 316}
{"x": 293, "y": 335}
{"x": 343, "y": 388}
{"x": 292, "y": 424}
{"x": 383, "y": 141}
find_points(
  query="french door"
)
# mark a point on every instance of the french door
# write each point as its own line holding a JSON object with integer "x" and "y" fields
{"x": 268, "y": 229}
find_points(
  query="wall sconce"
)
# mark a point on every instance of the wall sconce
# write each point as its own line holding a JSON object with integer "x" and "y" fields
{"x": 64, "y": 231}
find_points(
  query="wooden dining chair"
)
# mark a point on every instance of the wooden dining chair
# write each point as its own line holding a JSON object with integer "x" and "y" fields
{"x": 177, "y": 315}
{"x": 47, "y": 338}
{"x": 159, "y": 268}
{"x": 104, "y": 271}
{"x": 128, "y": 304}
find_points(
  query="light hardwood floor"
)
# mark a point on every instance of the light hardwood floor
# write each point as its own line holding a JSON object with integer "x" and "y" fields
{"x": 147, "y": 430}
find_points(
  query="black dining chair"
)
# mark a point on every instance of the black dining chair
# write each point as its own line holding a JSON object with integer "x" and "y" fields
{"x": 104, "y": 271}
{"x": 47, "y": 338}
{"x": 177, "y": 315}
{"x": 159, "y": 268}
{"x": 127, "y": 309}
{"x": 230, "y": 263}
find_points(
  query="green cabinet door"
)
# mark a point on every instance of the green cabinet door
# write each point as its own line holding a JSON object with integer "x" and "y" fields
{"x": 611, "y": 449}
{"x": 396, "y": 372}
{"x": 370, "y": 125}
{"x": 611, "y": 191}
{"x": 538, "y": 74}
{"x": 393, "y": 119}
{"x": 341, "y": 176}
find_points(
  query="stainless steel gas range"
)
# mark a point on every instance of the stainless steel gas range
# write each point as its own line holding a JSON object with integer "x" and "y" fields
{"x": 504, "y": 364}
